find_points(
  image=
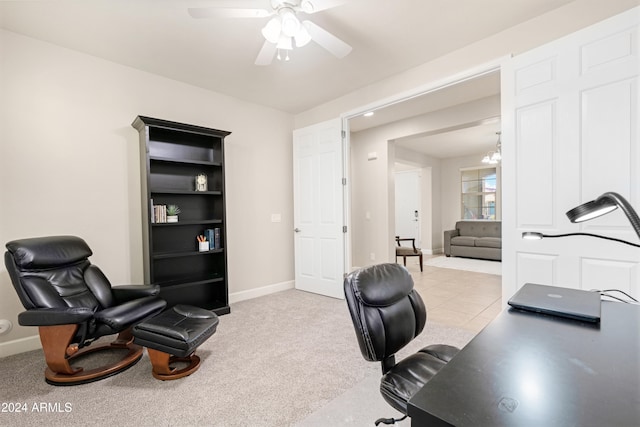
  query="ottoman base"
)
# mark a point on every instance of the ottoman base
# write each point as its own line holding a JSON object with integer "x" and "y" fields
{"x": 161, "y": 363}
{"x": 173, "y": 336}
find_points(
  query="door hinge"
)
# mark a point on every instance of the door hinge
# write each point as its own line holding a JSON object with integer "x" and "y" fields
{"x": 344, "y": 134}
{"x": 344, "y": 181}
{"x": 344, "y": 228}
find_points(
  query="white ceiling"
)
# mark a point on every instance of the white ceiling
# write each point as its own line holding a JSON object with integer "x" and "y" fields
{"x": 461, "y": 139}
{"x": 158, "y": 36}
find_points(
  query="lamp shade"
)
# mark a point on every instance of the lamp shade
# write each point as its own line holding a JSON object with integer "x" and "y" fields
{"x": 302, "y": 37}
{"x": 271, "y": 31}
{"x": 602, "y": 205}
{"x": 590, "y": 210}
{"x": 290, "y": 24}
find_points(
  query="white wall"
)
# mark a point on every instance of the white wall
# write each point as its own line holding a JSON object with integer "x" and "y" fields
{"x": 69, "y": 164}
{"x": 371, "y": 186}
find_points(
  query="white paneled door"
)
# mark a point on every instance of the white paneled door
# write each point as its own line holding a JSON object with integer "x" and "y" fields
{"x": 571, "y": 133}
{"x": 318, "y": 208}
{"x": 407, "y": 201}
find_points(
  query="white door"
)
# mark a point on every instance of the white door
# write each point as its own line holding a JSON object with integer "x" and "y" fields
{"x": 318, "y": 208}
{"x": 407, "y": 205}
{"x": 571, "y": 133}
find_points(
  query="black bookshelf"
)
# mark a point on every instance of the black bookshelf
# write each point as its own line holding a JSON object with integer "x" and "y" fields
{"x": 172, "y": 154}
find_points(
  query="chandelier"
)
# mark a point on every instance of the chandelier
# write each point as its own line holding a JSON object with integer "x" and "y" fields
{"x": 494, "y": 157}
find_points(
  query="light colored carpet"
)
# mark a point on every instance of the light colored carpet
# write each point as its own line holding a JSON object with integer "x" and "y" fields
{"x": 468, "y": 264}
{"x": 279, "y": 360}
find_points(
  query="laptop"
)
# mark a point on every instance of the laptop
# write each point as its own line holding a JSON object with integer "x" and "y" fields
{"x": 563, "y": 302}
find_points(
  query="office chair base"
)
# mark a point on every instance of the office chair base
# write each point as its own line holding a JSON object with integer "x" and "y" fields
{"x": 162, "y": 362}
{"x": 389, "y": 420}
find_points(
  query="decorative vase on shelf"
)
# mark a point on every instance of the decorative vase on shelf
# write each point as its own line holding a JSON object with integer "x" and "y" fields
{"x": 172, "y": 213}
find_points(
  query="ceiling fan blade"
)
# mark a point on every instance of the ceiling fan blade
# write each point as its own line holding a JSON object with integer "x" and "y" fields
{"x": 226, "y": 12}
{"x": 327, "y": 40}
{"x": 265, "y": 56}
{"x": 319, "y": 5}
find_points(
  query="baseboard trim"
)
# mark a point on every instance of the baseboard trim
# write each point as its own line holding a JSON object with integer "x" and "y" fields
{"x": 262, "y": 291}
{"x": 21, "y": 345}
{"x": 433, "y": 251}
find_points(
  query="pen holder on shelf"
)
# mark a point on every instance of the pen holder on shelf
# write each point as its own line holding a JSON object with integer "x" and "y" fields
{"x": 203, "y": 246}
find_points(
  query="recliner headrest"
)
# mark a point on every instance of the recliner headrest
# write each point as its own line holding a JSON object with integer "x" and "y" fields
{"x": 48, "y": 252}
{"x": 382, "y": 285}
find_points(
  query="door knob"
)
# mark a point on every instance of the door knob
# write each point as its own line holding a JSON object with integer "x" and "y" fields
{"x": 297, "y": 230}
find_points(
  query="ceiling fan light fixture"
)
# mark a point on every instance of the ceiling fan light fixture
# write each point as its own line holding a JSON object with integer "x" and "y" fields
{"x": 284, "y": 43}
{"x": 290, "y": 24}
{"x": 307, "y": 6}
{"x": 302, "y": 37}
{"x": 272, "y": 30}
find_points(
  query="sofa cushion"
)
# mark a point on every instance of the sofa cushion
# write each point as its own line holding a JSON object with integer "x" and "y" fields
{"x": 463, "y": 241}
{"x": 479, "y": 228}
{"x": 489, "y": 242}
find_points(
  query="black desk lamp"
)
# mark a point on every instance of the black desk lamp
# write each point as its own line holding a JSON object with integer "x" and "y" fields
{"x": 603, "y": 205}
{"x": 593, "y": 209}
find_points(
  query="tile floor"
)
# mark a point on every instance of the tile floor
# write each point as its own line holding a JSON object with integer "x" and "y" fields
{"x": 458, "y": 298}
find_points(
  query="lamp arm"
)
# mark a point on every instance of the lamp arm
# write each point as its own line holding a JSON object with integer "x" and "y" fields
{"x": 590, "y": 235}
{"x": 626, "y": 208}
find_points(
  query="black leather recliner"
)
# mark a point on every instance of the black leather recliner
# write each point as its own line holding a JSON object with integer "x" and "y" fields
{"x": 387, "y": 314}
{"x": 73, "y": 304}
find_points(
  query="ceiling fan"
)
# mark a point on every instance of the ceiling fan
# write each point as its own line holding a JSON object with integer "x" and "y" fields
{"x": 285, "y": 29}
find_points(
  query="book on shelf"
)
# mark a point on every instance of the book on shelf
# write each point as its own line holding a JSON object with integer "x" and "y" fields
{"x": 208, "y": 233}
{"x": 159, "y": 214}
{"x": 216, "y": 238}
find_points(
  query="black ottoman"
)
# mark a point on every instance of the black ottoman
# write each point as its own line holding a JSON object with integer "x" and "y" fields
{"x": 173, "y": 336}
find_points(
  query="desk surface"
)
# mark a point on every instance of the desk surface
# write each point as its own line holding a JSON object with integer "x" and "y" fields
{"x": 528, "y": 369}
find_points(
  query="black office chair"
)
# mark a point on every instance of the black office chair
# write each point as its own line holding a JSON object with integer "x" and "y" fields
{"x": 73, "y": 304}
{"x": 388, "y": 313}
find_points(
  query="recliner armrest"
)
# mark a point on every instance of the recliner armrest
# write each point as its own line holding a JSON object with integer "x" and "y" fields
{"x": 55, "y": 316}
{"x": 130, "y": 292}
{"x": 120, "y": 317}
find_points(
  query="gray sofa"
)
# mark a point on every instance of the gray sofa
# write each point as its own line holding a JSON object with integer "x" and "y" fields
{"x": 475, "y": 239}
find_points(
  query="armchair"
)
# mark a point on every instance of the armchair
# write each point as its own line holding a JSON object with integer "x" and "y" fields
{"x": 72, "y": 303}
{"x": 387, "y": 314}
{"x": 405, "y": 251}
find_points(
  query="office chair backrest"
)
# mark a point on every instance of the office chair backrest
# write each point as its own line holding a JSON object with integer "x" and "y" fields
{"x": 54, "y": 272}
{"x": 386, "y": 311}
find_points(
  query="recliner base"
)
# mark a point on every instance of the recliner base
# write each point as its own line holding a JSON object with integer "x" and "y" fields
{"x": 133, "y": 356}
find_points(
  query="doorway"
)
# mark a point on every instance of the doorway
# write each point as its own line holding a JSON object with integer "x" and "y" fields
{"x": 455, "y": 120}
{"x": 408, "y": 201}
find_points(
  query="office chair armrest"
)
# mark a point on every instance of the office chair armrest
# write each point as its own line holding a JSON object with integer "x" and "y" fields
{"x": 55, "y": 316}
{"x": 130, "y": 292}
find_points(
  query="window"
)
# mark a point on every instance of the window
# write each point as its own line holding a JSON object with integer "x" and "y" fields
{"x": 479, "y": 193}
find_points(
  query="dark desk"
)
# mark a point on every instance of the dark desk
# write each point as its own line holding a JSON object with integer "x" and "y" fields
{"x": 527, "y": 369}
